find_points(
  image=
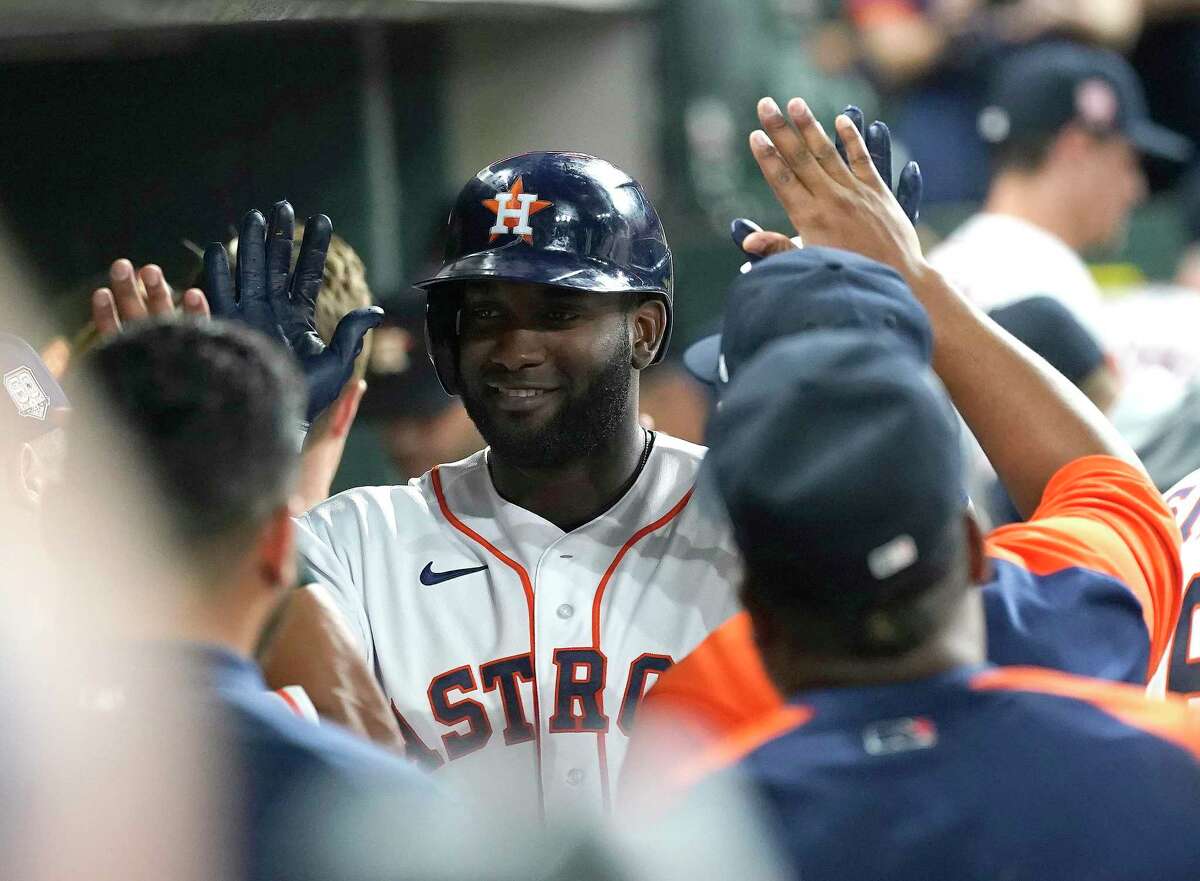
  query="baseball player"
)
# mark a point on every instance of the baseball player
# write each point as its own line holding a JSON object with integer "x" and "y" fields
{"x": 517, "y": 604}
{"x": 1088, "y": 586}
{"x": 900, "y": 753}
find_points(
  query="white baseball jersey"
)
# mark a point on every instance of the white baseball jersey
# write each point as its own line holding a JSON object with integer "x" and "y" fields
{"x": 514, "y": 653}
{"x": 1179, "y": 669}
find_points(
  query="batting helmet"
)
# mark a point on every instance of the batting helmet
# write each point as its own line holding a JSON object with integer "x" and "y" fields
{"x": 562, "y": 219}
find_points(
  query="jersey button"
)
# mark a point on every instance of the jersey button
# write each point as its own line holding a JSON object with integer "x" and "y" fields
{"x": 565, "y": 611}
{"x": 575, "y": 776}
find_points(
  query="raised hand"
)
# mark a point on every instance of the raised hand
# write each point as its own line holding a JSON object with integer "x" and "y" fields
{"x": 878, "y": 140}
{"x": 841, "y": 204}
{"x": 281, "y": 304}
{"x": 137, "y": 295}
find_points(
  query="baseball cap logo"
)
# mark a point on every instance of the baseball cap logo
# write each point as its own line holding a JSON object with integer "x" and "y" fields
{"x": 26, "y": 393}
{"x": 1096, "y": 103}
{"x": 513, "y": 210}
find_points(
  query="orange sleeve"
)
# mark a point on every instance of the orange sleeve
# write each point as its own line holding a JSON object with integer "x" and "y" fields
{"x": 716, "y": 690}
{"x": 1103, "y": 514}
{"x": 719, "y": 686}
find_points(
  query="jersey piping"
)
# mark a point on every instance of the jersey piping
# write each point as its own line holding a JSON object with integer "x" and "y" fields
{"x": 527, "y": 586}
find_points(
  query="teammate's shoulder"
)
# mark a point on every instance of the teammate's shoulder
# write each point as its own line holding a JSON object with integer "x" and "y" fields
{"x": 365, "y": 501}
{"x": 1064, "y": 699}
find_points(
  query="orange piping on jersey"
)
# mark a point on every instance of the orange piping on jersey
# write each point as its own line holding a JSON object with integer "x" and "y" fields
{"x": 527, "y": 586}
{"x": 739, "y": 744}
{"x": 1167, "y": 719}
{"x": 291, "y": 702}
{"x": 601, "y": 739}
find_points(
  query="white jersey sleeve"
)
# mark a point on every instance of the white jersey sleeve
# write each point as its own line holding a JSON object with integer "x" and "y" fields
{"x": 1179, "y": 670}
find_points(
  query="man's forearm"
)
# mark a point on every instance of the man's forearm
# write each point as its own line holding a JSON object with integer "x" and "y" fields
{"x": 1029, "y": 419}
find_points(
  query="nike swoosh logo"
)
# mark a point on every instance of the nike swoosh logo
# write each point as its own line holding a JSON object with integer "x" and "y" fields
{"x": 429, "y": 578}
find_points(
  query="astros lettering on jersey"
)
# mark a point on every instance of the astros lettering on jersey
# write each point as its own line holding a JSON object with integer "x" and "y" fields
{"x": 515, "y": 654}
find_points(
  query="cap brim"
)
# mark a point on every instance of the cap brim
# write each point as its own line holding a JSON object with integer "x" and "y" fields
{"x": 701, "y": 359}
{"x": 1152, "y": 139}
{"x": 521, "y": 263}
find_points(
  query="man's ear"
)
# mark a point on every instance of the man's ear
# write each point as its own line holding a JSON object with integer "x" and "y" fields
{"x": 649, "y": 326}
{"x": 277, "y": 548}
{"x": 980, "y": 567}
{"x": 30, "y": 477}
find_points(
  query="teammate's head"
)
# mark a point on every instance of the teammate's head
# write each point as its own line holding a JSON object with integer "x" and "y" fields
{"x": 33, "y": 411}
{"x": 210, "y": 409}
{"x": 805, "y": 290}
{"x": 838, "y": 458}
{"x": 1074, "y": 119}
{"x": 557, "y": 287}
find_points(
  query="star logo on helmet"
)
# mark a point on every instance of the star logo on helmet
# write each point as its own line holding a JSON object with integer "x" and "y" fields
{"x": 513, "y": 210}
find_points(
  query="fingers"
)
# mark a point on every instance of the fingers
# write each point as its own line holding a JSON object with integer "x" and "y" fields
{"x": 347, "y": 339}
{"x": 195, "y": 303}
{"x": 879, "y": 145}
{"x": 158, "y": 292}
{"x": 764, "y": 244}
{"x": 252, "y": 273}
{"x": 127, "y": 294}
{"x": 857, "y": 157}
{"x": 791, "y": 194}
{"x": 798, "y": 167}
{"x": 817, "y": 142}
{"x": 218, "y": 282}
{"x": 280, "y": 233}
{"x": 104, "y": 313}
{"x": 908, "y": 191}
{"x": 856, "y": 117}
{"x": 310, "y": 268}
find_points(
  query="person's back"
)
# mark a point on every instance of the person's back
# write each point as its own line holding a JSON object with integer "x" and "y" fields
{"x": 982, "y": 773}
{"x": 211, "y": 409}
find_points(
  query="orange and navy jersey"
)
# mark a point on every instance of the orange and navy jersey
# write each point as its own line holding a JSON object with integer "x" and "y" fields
{"x": 1089, "y": 585}
{"x": 978, "y": 773}
{"x": 1179, "y": 669}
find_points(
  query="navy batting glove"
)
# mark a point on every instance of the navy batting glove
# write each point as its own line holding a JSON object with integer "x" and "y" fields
{"x": 878, "y": 139}
{"x": 281, "y": 304}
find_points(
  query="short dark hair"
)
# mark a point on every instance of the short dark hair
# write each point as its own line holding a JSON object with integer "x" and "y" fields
{"x": 1025, "y": 154}
{"x": 213, "y": 409}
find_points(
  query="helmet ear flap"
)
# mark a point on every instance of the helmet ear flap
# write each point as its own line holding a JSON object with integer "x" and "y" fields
{"x": 441, "y": 340}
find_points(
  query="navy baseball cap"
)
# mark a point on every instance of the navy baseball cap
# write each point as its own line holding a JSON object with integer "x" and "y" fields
{"x": 33, "y": 402}
{"x": 808, "y": 289}
{"x": 1039, "y": 90}
{"x": 838, "y": 459}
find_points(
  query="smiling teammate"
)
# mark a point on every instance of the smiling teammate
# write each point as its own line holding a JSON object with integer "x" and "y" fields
{"x": 517, "y": 604}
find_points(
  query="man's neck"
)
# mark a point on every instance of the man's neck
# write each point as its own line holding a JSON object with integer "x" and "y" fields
{"x": 1035, "y": 200}
{"x": 577, "y": 492}
{"x": 961, "y": 642}
{"x": 224, "y": 621}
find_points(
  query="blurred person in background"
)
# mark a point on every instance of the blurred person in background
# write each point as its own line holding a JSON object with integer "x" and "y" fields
{"x": 349, "y": 694}
{"x": 209, "y": 409}
{"x": 1068, "y": 130}
{"x": 672, "y": 401}
{"x": 932, "y": 61}
{"x": 878, "y": 643}
{"x": 418, "y": 424}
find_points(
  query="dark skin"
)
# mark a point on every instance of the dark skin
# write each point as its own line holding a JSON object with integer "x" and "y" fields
{"x": 527, "y": 353}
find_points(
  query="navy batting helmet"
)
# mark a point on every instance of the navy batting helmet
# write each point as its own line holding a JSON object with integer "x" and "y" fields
{"x": 564, "y": 219}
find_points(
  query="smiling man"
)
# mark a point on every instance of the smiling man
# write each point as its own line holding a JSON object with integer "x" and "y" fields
{"x": 516, "y": 605}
